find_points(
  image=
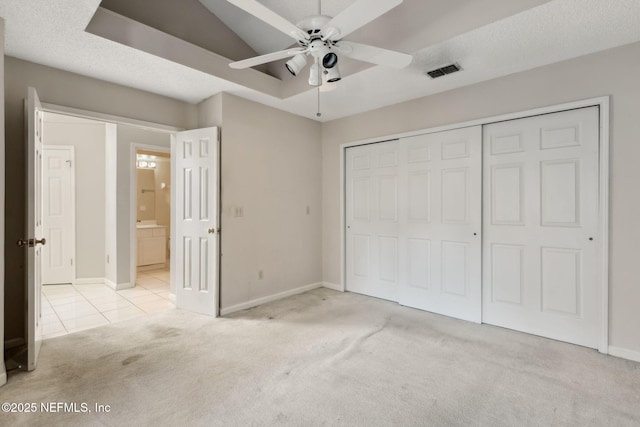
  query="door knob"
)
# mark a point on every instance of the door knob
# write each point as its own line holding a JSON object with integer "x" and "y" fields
{"x": 31, "y": 242}
{"x": 211, "y": 230}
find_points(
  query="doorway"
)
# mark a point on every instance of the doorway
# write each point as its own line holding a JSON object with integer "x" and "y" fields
{"x": 58, "y": 214}
{"x": 79, "y": 183}
{"x": 152, "y": 182}
{"x": 196, "y": 283}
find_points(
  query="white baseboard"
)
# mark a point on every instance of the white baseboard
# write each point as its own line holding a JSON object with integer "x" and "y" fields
{"x": 624, "y": 353}
{"x": 264, "y": 300}
{"x": 14, "y": 342}
{"x": 118, "y": 286}
{"x": 333, "y": 286}
{"x": 151, "y": 267}
{"x": 89, "y": 281}
{"x": 172, "y": 298}
{"x": 104, "y": 281}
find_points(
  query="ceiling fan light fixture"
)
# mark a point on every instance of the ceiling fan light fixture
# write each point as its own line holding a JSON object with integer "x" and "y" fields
{"x": 315, "y": 75}
{"x": 296, "y": 64}
{"x": 333, "y": 74}
{"x": 329, "y": 60}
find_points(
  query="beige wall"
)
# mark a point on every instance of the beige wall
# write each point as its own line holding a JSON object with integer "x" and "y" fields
{"x": 72, "y": 90}
{"x": 210, "y": 111}
{"x": 110, "y": 203}
{"x": 614, "y": 72}
{"x": 88, "y": 140}
{"x": 271, "y": 169}
{"x": 162, "y": 173}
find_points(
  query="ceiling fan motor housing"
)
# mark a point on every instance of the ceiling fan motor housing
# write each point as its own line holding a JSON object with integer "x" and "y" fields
{"x": 314, "y": 24}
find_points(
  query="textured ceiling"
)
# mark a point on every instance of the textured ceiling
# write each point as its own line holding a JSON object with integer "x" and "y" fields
{"x": 52, "y": 32}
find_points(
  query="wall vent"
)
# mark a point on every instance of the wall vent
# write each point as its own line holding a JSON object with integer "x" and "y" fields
{"x": 443, "y": 71}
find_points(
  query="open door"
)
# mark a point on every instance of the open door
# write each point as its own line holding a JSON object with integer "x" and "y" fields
{"x": 196, "y": 232}
{"x": 33, "y": 238}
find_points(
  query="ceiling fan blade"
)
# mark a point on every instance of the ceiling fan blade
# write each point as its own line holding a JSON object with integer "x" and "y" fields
{"x": 263, "y": 59}
{"x": 375, "y": 55}
{"x": 357, "y": 15}
{"x": 270, "y": 17}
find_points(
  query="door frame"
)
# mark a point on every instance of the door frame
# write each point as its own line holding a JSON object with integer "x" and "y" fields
{"x": 603, "y": 103}
{"x": 133, "y": 205}
{"x": 72, "y": 152}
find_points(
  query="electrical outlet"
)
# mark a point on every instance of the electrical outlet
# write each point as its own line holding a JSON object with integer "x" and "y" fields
{"x": 260, "y": 275}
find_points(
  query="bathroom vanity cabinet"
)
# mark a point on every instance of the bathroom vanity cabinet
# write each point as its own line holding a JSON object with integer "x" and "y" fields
{"x": 152, "y": 244}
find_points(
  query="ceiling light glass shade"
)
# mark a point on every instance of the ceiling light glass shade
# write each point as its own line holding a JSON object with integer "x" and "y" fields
{"x": 296, "y": 64}
{"x": 330, "y": 60}
{"x": 333, "y": 75}
{"x": 315, "y": 75}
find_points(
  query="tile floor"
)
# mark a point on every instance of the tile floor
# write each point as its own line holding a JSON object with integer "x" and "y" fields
{"x": 72, "y": 308}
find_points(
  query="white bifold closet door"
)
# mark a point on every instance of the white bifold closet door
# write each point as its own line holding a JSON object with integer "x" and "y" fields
{"x": 372, "y": 212}
{"x": 541, "y": 264}
{"x": 413, "y": 219}
{"x": 440, "y": 243}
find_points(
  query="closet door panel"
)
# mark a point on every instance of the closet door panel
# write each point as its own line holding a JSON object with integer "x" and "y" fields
{"x": 372, "y": 220}
{"x": 541, "y": 226}
{"x": 440, "y": 221}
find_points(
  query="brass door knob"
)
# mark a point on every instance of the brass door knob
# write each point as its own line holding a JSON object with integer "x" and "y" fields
{"x": 31, "y": 242}
{"x": 212, "y": 230}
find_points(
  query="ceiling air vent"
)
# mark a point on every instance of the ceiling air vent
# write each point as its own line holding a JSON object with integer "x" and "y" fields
{"x": 443, "y": 71}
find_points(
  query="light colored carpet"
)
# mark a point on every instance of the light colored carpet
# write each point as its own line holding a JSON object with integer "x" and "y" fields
{"x": 324, "y": 358}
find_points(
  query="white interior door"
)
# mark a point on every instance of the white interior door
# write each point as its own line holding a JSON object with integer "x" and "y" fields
{"x": 440, "y": 243}
{"x": 33, "y": 238}
{"x": 540, "y": 238}
{"x": 58, "y": 215}
{"x": 196, "y": 237}
{"x": 372, "y": 214}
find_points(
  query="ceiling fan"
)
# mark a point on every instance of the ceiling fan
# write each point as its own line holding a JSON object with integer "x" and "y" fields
{"x": 321, "y": 38}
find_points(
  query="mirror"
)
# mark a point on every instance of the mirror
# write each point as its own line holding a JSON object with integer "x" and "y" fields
{"x": 146, "y": 194}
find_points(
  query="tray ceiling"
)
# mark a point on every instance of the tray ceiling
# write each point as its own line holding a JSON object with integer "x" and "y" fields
{"x": 488, "y": 38}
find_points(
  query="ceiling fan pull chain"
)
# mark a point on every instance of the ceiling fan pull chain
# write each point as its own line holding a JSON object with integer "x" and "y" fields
{"x": 318, "y": 114}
